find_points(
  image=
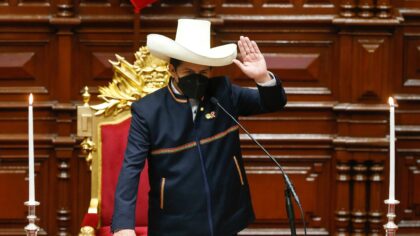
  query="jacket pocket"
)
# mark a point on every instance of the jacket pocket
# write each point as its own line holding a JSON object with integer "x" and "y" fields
{"x": 239, "y": 170}
{"x": 162, "y": 193}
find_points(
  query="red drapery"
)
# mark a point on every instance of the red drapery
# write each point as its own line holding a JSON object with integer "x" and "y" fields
{"x": 139, "y": 4}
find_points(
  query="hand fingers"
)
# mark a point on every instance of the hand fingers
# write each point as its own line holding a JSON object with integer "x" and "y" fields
{"x": 255, "y": 46}
{"x": 253, "y": 56}
{"x": 245, "y": 45}
{"x": 239, "y": 64}
{"x": 249, "y": 44}
{"x": 241, "y": 49}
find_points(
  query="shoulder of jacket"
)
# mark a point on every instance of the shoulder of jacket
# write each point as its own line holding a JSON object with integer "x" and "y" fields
{"x": 221, "y": 81}
{"x": 149, "y": 101}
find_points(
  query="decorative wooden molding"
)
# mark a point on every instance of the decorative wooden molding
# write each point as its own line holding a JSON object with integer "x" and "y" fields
{"x": 289, "y": 137}
{"x": 384, "y": 8}
{"x": 316, "y": 138}
{"x": 311, "y": 105}
{"x": 275, "y": 19}
{"x": 207, "y": 8}
{"x": 63, "y": 168}
{"x": 409, "y": 224}
{"x": 412, "y": 82}
{"x": 367, "y": 11}
{"x": 63, "y": 217}
{"x": 361, "y": 107}
{"x": 24, "y": 137}
{"x": 376, "y": 177}
{"x": 23, "y": 90}
{"x": 362, "y": 141}
{"x": 358, "y": 212}
{"x": 52, "y": 105}
{"x": 342, "y": 205}
{"x": 287, "y": 158}
{"x": 20, "y": 18}
{"x": 271, "y": 170}
{"x": 409, "y": 129}
{"x": 347, "y": 8}
{"x": 18, "y": 232}
{"x": 368, "y": 22}
{"x": 282, "y": 231}
{"x": 314, "y": 172}
{"x": 65, "y": 9}
{"x": 365, "y": 8}
{"x": 407, "y": 97}
{"x": 307, "y": 90}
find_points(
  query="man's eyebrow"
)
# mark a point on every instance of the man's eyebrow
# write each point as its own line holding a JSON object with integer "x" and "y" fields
{"x": 187, "y": 69}
{"x": 191, "y": 70}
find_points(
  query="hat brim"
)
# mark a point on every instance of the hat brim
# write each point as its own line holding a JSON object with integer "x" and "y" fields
{"x": 166, "y": 48}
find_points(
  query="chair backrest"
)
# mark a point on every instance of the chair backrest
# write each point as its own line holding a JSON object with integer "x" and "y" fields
{"x": 113, "y": 142}
{"x": 104, "y": 128}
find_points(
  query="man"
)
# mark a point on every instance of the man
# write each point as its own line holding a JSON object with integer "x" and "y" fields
{"x": 198, "y": 185}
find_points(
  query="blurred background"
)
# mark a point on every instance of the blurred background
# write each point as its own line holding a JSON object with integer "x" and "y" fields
{"x": 339, "y": 61}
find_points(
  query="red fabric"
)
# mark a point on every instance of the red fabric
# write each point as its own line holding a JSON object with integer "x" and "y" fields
{"x": 114, "y": 142}
{"x": 90, "y": 220}
{"x": 106, "y": 231}
{"x": 139, "y": 4}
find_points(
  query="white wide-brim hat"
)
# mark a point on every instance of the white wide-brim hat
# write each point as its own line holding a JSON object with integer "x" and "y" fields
{"x": 192, "y": 44}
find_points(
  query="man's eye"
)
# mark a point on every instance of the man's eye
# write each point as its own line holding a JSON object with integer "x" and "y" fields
{"x": 193, "y": 72}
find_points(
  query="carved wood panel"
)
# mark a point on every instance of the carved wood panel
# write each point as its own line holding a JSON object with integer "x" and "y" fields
{"x": 305, "y": 66}
{"x": 412, "y": 61}
{"x": 14, "y": 182}
{"x": 93, "y": 67}
{"x": 371, "y": 72}
{"x": 25, "y": 65}
{"x": 408, "y": 191}
{"x": 276, "y": 7}
{"x": 267, "y": 192}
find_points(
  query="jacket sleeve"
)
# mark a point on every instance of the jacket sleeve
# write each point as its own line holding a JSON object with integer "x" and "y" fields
{"x": 137, "y": 150}
{"x": 264, "y": 99}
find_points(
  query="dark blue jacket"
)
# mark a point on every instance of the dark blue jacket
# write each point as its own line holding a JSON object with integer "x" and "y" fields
{"x": 198, "y": 185}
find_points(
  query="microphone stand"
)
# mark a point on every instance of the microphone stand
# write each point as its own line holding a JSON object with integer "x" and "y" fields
{"x": 289, "y": 210}
{"x": 289, "y": 191}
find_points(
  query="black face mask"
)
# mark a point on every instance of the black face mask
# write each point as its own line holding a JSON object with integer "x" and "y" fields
{"x": 193, "y": 85}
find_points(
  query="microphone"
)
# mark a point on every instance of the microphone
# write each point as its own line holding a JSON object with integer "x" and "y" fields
{"x": 290, "y": 190}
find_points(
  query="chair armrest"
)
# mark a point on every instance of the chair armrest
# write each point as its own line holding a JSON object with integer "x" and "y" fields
{"x": 89, "y": 224}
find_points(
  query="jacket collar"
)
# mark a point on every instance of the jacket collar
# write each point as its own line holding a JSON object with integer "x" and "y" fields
{"x": 176, "y": 94}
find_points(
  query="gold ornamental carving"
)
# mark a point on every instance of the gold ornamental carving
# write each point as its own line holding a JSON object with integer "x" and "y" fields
{"x": 131, "y": 82}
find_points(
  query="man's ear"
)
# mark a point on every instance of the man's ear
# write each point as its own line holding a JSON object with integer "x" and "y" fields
{"x": 171, "y": 70}
{"x": 210, "y": 71}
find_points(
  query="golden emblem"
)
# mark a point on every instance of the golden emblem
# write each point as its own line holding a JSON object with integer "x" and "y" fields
{"x": 211, "y": 115}
{"x": 132, "y": 82}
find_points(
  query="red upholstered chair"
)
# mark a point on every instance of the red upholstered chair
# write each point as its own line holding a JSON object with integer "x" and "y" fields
{"x": 104, "y": 129}
{"x": 111, "y": 147}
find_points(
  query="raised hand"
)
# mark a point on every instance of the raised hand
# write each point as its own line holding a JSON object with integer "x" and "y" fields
{"x": 125, "y": 232}
{"x": 253, "y": 63}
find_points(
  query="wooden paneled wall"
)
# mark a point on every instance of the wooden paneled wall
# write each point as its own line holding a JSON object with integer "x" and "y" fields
{"x": 339, "y": 60}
